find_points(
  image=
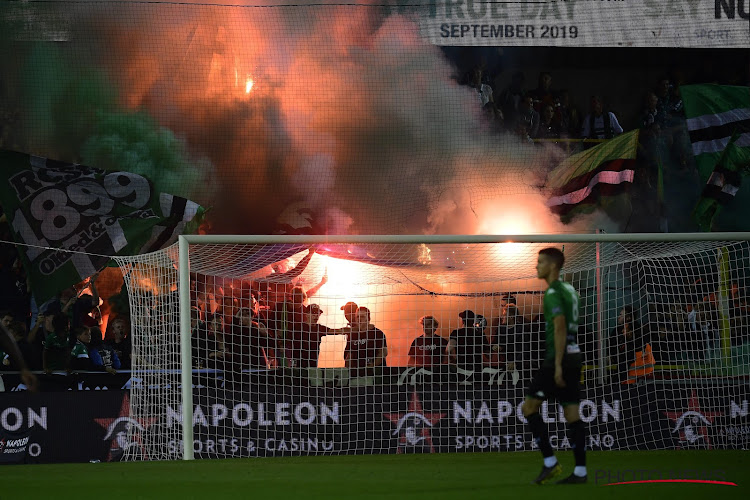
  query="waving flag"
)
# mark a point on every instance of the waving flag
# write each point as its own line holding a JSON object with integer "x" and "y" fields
{"x": 723, "y": 183}
{"x": 69, "y": 219}
{"x": 716, "y": 113}
{"x": 581, "y": 180}
{"x": 718, "y": 120}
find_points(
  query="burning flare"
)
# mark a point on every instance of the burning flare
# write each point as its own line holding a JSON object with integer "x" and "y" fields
{"x": 249, "y": 85}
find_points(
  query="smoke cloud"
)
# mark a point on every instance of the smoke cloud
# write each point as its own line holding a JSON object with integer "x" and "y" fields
{"x": 341, "y": 114}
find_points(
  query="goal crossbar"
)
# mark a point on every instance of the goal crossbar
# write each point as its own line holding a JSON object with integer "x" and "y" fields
{"x": 197, "y": 239}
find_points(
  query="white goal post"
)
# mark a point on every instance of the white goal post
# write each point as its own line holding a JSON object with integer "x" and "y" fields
{"x": 681, "y": 292}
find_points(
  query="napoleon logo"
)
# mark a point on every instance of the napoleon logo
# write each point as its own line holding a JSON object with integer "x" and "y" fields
{"x": 688, "y": 424}
{"x": 413, "y": 428}
{"x": 412, "y": 424}
{"x": 119, "y": 430}
{"x": 125, "y": 432}
{"x": 693, "y": 423}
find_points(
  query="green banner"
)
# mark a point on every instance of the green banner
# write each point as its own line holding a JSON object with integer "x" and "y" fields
{"x": 70, "y": 219}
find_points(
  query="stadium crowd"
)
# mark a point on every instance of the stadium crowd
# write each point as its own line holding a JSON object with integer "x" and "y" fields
{"x": 546, "y": 114}
{"x": 271, "y": 322}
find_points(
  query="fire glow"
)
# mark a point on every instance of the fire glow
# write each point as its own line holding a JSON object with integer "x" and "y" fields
{"x": 249, "y": 83}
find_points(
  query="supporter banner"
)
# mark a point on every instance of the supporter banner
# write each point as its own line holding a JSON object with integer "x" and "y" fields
{"x": 78, "y": 426}
{"x": 54, "y": 205}
{"x": 582, "y": 23}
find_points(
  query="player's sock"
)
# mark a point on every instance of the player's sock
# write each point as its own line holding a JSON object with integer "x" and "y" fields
{"x": 577, "y": 437}
{"x": 539, "y": 432}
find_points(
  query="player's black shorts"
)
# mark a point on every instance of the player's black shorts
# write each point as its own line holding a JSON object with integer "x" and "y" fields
{"x": 543, "y": 384}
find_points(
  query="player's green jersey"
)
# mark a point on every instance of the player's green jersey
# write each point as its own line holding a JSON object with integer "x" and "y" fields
{"x": 560, "y": 298}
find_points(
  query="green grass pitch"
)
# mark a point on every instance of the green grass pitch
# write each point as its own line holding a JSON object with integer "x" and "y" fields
{"x": 393, "y": 477}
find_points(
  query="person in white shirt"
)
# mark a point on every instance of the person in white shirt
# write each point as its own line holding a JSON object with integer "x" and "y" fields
{"x": 598, "y": 124}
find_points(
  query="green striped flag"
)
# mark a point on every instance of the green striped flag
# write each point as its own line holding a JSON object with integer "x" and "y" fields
{"x": 723, "y": 183}
{"x": 578, "y": 184}
{"x": 718, "y": 120}
{"x": 714, "y": 114}
{"x": 70, "y": 219}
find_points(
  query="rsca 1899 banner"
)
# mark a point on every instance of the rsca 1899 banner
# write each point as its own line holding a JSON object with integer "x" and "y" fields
{"x": 53, "y": 205}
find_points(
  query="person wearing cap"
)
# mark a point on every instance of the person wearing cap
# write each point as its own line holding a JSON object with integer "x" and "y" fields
{"x": 429, "y": 349}
{"x": 350, "y": 310}
{"x": 366, "y": 345}
{"x": 467, "y": 343}
{"x": 306, "y": 346}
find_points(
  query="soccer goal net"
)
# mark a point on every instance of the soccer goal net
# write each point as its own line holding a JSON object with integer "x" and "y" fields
{"x": 267, "y": 346}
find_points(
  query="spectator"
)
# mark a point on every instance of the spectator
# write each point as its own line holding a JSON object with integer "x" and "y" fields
{"x": 510, "y": 98}
{"x": 651, "y": 115}
{"x": 543, "y": 95}
{"x": 466, "y": 344}
{"x": 10, "y": 350}
{"x": 80, "y": 359}
{"x": 508, "y": 335}
{"x": 429, "y": 349}
{"x": 56, "y": 354}
{"x": 307, "y": 345}
{"x": 668, "y": 102}
{"x": 706, "y": 334}
{"x": 29, "y": 352}
{"x": 528, "y": 116}
{"x": 626, "y": 339}
{"x": 366, "y": 345}
{"x": 103, "y": 356}
{"x": 119, "y": 341}
{"x": 661, "y": 331}
{"x": 599, "y": 124}
{"x": 286, "y": 319}
{"x": 350, "y": 312}
{"x": 249, "y": 344}
{"x": 43, "y": 324}
{"x": 228, "y": 309}
{"x": 737, "y": 300}
{"x": 484, "y": 91}
{"x": 566, "y": 116}
{"x": 207, "y": 343}
{"x": 6, "y": 317}
{"x": 548, "y": 129}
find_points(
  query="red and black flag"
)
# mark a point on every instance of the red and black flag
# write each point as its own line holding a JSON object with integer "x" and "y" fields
{"x": 580, "y": 182}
